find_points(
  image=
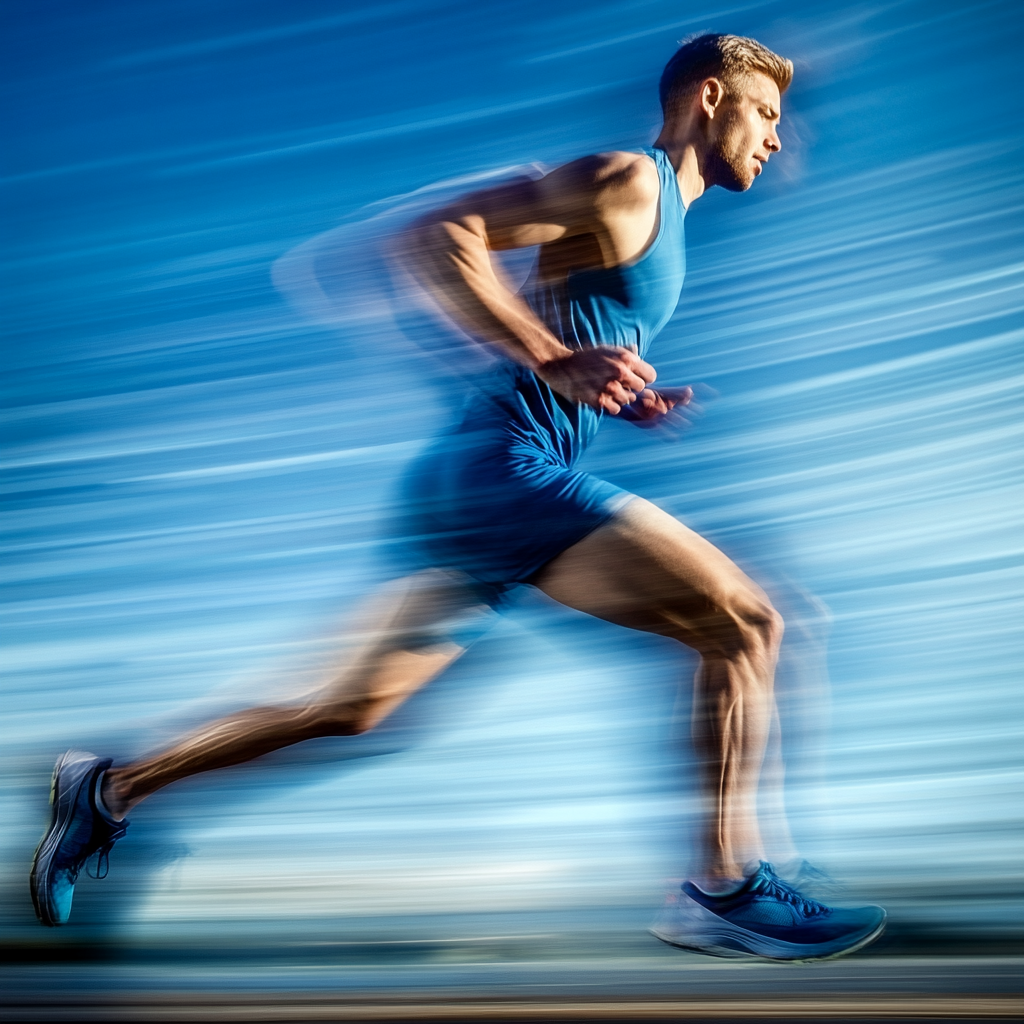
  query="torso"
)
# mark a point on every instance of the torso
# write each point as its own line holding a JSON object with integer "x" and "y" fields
{"x": 586, "y": 301}
{"x": 501, "y": 498}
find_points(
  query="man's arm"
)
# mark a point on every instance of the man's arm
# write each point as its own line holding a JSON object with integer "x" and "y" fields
{"x": 448, "y": 253}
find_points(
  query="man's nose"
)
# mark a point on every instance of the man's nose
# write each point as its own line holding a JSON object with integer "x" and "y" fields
{"x": 773, "y": 142}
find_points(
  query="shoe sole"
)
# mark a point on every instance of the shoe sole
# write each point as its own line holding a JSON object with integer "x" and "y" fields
{"x": 732, "y": 943}
{"x": 54, "y": 835}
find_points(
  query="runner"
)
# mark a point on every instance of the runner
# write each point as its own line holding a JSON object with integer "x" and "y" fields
{"x": 499, "y": 504}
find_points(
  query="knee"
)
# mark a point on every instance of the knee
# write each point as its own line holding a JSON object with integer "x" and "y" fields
{"x": 744, "y": 624}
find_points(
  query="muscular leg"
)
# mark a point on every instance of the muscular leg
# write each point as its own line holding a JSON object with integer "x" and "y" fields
{"x": 647, "y": 571}
{"x": 794, "y": 757}
{"x": 404, "y": 646}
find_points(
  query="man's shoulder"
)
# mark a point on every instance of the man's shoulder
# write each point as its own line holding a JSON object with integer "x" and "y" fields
{"x": 617, "y": 178}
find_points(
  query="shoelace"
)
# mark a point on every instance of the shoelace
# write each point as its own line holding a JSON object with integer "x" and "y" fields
{"x": 102, "y": 861}
{"x": 102, "y": 855}
{"x": 769, "y": 884}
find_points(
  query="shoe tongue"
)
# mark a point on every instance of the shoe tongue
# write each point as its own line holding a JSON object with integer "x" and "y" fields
{"x": 765, "y": 880}
{"x": 764, "y": 873}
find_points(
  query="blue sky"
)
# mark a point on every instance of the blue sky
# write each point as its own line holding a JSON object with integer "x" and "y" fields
{"x": 196, "y": 474}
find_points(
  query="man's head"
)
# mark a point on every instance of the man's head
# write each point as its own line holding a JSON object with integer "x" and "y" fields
{"x": 729, "y": 88}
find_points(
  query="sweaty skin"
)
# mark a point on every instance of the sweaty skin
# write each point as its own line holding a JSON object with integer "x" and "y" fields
{"x": 642, "y": 569}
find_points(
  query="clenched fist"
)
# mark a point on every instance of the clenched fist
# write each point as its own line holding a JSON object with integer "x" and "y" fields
{"x": 606, "y": 377}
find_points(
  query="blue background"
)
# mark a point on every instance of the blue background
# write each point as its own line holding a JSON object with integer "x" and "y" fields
{"x": 195, "y": 474}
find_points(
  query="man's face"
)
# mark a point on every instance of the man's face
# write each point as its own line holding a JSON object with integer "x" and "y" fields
{"x": 743, "y": 133}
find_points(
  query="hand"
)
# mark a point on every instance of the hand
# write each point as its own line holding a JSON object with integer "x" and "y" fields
{"x": 606, "y": 377}
{"x": 671, "y": 409}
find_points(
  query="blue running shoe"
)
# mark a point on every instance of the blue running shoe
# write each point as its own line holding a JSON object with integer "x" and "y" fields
{"x": 807, "y": 878}
{"x": 766, "y": 919}
{"x": 78, "y": 830}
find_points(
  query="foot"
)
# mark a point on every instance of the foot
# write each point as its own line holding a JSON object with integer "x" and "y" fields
{"x": 78, "y": 830}
{"x": 807, "y": 878}
{"x": 766, "y": 919}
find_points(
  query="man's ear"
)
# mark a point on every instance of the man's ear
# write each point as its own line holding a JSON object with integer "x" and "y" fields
{"x": 711, "y": 94}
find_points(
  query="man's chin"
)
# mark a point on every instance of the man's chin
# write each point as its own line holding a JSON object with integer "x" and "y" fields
{"x": 731, "y": 177}
{"x": 733, "y": 183}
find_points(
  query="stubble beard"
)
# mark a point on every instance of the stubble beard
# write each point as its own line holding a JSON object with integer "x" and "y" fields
{"x": 727, "y": 166}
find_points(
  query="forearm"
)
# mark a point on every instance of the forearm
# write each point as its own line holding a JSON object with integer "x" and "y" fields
{"x": 452, "y": 263}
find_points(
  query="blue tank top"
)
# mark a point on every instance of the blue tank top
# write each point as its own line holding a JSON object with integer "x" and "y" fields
{"x": 626, "y": 305}
{"x": 500, "y": 499}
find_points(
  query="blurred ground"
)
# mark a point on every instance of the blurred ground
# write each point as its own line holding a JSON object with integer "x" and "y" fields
{"x": 604, "y": 972}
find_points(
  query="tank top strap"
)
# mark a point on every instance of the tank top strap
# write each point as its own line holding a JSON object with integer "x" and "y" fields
{"x": 671, "y": 198}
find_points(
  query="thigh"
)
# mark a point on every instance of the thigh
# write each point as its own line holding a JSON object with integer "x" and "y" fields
{"x": 646, "y": 570}
{"x": 406, "y": 633}
{"x": 433, "y": 608}
{"x": 500, "y": 509}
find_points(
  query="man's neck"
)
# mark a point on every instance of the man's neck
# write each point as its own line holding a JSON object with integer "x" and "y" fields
{"x": 684, "y": 155}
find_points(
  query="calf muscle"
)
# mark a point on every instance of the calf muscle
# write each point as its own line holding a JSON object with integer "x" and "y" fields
{"x": 403, "y": 648}
{"x": 647, "y": 571}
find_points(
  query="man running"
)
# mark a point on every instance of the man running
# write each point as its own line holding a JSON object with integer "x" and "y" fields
{"x": 500, "y": 504}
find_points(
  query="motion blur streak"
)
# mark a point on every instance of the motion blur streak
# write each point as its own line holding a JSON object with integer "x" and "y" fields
{"x": 200, "y": 470}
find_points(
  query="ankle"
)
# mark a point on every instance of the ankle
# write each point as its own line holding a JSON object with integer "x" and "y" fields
{"x": 717, "y": 884}
{"x": 113, "y": 796}
{"x": 721, "y": 874}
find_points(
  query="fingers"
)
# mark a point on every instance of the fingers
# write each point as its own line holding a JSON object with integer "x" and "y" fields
{"x": 670, "y": 412}
{"x": 677, "y": 396}
{"x": 605, "y": 377}
{"x": 624, "y": 383}
{"x": 619, "y": 393}
{"x": 633, "y": 375}
{"x": 650, "y": 404}
{"x": 638, "y": 368}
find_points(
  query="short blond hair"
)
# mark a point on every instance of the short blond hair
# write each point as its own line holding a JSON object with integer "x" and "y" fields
{"x": 729, "y": 58}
